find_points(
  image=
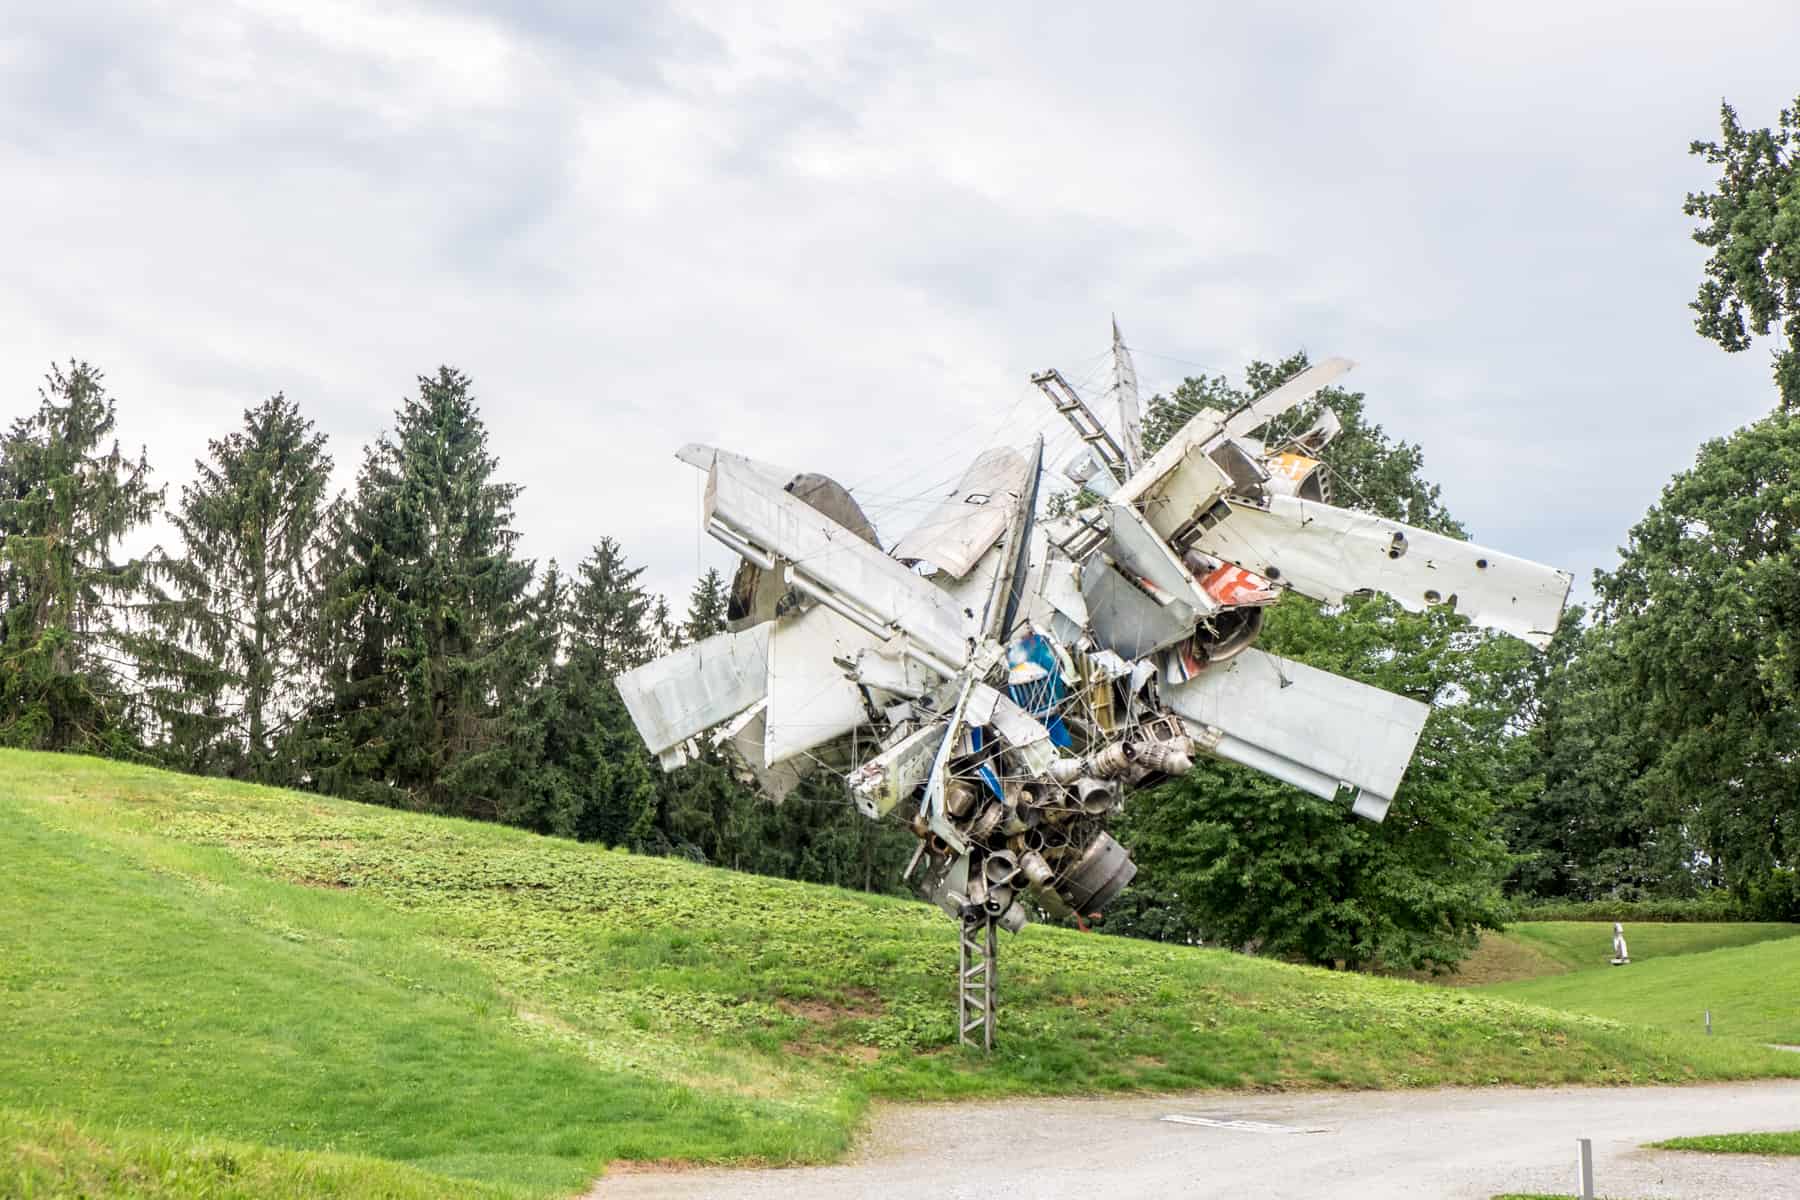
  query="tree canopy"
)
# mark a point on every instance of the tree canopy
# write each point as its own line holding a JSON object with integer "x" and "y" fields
{"x": 1751, "y": 223}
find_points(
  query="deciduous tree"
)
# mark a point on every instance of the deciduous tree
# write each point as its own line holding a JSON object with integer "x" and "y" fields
{"x": 1751, "y": 223}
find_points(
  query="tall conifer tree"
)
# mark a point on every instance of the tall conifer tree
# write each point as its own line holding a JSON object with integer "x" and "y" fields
{"x": 601, "y": 784}
{"x": 226, "y": 665}
{"x": 67, "y": 499}
{"x": 429, "y": 619}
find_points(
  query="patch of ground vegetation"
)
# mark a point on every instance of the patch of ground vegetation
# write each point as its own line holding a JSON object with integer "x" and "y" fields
{"x": 1749, "y": 989}
{"x": 487, "y": 1005}
{"x": 1735, "y": 1143}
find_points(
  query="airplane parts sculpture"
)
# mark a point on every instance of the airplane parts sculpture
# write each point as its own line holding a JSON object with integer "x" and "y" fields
{"x": 998, "y": 681}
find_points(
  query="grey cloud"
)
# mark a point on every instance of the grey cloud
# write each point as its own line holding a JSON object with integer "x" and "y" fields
{"x": 841, "y": 239}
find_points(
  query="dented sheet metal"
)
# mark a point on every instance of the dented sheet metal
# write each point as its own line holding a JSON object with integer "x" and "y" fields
{"x": 681, "y": 694}
{"x": 746, "y": 736}
{"x": 1308, "y": 727}
{"x": 956, "y": 533}
{"x": 880, "y": 784}
{"x": 812, "y": 699}
{"x": 840, "y": 564}
{"x": 1327, "y": 553}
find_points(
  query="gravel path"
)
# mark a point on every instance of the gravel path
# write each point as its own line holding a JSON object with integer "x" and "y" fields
{"x": 1450, "y": 1144}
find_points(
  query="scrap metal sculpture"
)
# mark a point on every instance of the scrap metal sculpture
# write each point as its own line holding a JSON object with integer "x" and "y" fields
{"x": 999, "y": 682}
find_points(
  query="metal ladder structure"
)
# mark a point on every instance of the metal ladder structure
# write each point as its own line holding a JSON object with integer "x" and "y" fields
{"x": 977, "y": 975}
{"x": 1087, "y": 426}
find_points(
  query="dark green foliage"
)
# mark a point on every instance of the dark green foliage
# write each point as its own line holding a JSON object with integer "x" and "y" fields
{"x": 1580, "y": 821}
{"x": 432, "y": 635}
{"x": 1230, "y": 855}
{"x": 67, "y": 498}
{"x": 1233, "y": 856}
{"x": 1703, "y": 623}
{"x": 596, "y": 780}
{"x": 226, "y": 668}
{"x": 706, "y": 607}
{"x": 1702, "y": 910}
{"x": 1752, "y": 225}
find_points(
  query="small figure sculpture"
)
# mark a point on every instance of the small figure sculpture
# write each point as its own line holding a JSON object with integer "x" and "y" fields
{"x": 1621, "y": 956}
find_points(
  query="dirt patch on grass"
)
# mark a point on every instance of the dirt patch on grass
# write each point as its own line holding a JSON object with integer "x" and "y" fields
{"x": 335, "y": 885}
{"x": 859, "y": 1003}
{"x": 1497, "y": 959}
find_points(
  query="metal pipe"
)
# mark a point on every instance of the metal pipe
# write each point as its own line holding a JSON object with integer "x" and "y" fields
{"x": 1000, "y": 867}
{"x": 721, "y": 533}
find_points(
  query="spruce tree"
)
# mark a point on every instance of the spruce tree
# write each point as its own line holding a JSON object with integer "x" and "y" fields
{"x": 428, "y": 618}
{"x": 226, "y": 667}
{"x": 706, "y": 607}
{"x": 599, "y": 782}
{"x": 67, "y": 498}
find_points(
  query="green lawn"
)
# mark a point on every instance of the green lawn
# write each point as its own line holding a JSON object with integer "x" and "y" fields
{"x": 1584, "y": 945}
{"x": 1533, "y": 949}
{"x": 1736, "y": 1143}
{"x": 47, "y": 1157}
{"x": 186, "y": 959}
{"x": 1753, "y": 990}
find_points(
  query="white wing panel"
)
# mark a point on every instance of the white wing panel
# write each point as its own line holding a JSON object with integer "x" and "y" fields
{"x": 698, "y": 686}
{"x": 972, "y": 517}
{"x": 1306, "y": 726}
{"x": 1326, "y": 553}
{"x": 811, "y": 699}
{"x": 821, "y": 550}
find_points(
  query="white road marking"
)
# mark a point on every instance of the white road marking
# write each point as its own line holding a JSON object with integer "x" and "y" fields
{"x": 1247, "y": 1126}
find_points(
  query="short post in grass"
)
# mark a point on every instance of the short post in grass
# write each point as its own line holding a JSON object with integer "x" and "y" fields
{"x": 1709, "y": 1022}
{"x": 1587, "y": 1168}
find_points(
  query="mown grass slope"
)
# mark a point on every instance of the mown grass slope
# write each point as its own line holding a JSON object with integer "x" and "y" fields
{"x": 1752, "y": 990}
{"x": 483, "y": 1005}
{"x": 54, "y": 1158}
{"x": 1587, "y": 945}
{"x": 1532, "y": 949}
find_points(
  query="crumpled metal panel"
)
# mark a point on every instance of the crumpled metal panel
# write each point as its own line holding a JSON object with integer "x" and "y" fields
{"x": 1308, "y": 727}
{"x": 1137, "y": 549}
{"x": 956, "y": 533}
{"x": 1122, "y": 616}
{"x": 819, "y": 549}
{"x": 745, "y": 735}
{"x": 882, "y": 782}
{"x": 1187, "y": 448}
{"x": 691, "y": 690}
{"x": 812, "y": 700}
{"x": 1327, "y": 553}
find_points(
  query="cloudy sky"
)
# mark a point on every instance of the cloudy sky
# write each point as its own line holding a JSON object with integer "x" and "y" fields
{"x": 842, "y": 236}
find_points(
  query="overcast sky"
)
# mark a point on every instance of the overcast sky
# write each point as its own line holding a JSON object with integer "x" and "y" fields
{"x": 842, "y": 236}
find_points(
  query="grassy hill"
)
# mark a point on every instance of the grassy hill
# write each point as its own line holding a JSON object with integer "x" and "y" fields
{"x": 1752, "y": 989}
{"x": 195, "y": 973}
{"x": 1533, "y": 949}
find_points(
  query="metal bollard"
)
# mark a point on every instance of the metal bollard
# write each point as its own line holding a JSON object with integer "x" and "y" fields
{"x": 1587, "y": 1168}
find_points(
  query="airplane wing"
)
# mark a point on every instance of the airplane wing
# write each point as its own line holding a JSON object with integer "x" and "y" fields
{"x": 1327, "y": 553}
